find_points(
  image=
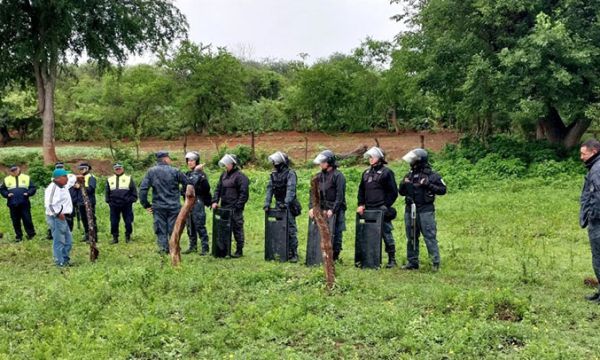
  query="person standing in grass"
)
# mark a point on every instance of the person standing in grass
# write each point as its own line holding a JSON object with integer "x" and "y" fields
{"x": 196, "y": 224}
{"x": 378, "y": 191}
{"x": 282, "y": 186}
{"x": 232, "y": 193}
{"x": 165, "y": 182}
{"x": 332, "y": 192}
{"x": 58, "y": 205}
{"x": 120, "y": 194}
{"x": 420, "y": 187}
{"x": 17, "y": 188}
{"x": 589, "y": 215}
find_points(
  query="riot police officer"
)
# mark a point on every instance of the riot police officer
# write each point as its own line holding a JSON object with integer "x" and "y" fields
{"x": 196, "y": 225}
{"x": 282, "y": 185}
{"x": 120, "y": 194}
{"x": 420, "y": 187}
{"x": 378, "y": 191}
{"x": 232, "y": 194}
{"x": 332, "y": 191}
{"x": 166, "y": 183}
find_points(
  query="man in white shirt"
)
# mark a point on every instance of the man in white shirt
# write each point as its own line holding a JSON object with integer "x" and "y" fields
{"x": 58, "y": 204}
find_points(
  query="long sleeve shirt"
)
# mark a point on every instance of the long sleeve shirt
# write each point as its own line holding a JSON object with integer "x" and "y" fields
{"x": 57, "y": 200}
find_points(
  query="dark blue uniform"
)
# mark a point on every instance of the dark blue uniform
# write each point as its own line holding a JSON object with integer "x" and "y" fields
{"x": 232, "y": 192}
{"x": 589, "y": 215}
{"x": 166, "y": 183}
{"x": 420, "y": 186}
{"x": 197, "y": 220}
{"x": 378, "y": 191}
{"x": 22, "y": 188}
{"x": 282, "y": 186}
{"x": 120, "y": 193}
{"x": 332, "y": 192}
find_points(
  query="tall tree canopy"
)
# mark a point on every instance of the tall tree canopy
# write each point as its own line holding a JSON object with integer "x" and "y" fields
{"x": 498, "y": 63}
{"x": 37, "y": 36}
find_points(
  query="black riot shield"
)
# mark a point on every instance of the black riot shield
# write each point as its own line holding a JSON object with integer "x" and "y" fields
{"x": 276, "y": 235}
{"x": 221, "y": 239}
{"x": 313, "y": 244}
{"x": 369, "y": 228}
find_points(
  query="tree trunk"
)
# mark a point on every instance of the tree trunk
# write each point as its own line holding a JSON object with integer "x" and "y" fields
{"x": 45, "y": 78}
{"x": 5, "y": 135}
{"x": 394, "y": 120}
{"x": 556, "y": 132}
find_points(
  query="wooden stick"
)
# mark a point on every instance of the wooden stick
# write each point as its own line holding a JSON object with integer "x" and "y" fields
{"x": 323, "y": 227}
{"x": 174, "y": 248}
{"x": 92, "y": 235}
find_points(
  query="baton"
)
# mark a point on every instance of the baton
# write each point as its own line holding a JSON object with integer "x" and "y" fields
{"x": 413, "y": 218}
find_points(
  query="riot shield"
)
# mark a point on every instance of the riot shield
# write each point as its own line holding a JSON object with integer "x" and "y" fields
{"x": 313, "y": 244}
{"x": 221, "y": 234}
{"x": 369, "y": 228}
{"x": 276, "y": 235}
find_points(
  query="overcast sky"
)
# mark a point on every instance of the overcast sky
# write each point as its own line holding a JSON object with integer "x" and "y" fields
{"x": 281, "y": 29}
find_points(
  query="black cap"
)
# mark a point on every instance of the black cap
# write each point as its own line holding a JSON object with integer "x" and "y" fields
{"x": 59, "y": 165}
{"x": 117, "y": 166}
{"x": 84, "y": 165}
{"x": 162, "y": 154}
{"x": 14, "y": 167}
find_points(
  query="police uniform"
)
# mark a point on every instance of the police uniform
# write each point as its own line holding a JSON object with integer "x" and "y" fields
{"x": 378, "y": 191}
{"x": 120, "y": 194}
{"x": 421, "y": 185}
{"x": 332, "y": 192}
{"x": 232, "y": 191}
{"x": 282, "y": 186}
{"x": 22, "y": 188}
{"x": 197, "y": 221}
{"x": 166, "y": 183}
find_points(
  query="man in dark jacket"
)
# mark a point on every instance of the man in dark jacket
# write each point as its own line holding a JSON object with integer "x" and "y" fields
{"x": 232, "y": 193}
{"x": 90, "y": 189}
{"x": 420, "y": 187}
{"x": 120, "y": 194}
{"x": 18, "y": 188}
{"x": 166, "y": 183}
{"x": 332, "y": 192}
{"x": 196, "y": 225}
{"x": 378, "y": 191}
{"x": 282, "y": 185}
{"x": 589, "y": 215}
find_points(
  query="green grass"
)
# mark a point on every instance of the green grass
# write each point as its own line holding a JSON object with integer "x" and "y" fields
{"x": 511, "y": 286}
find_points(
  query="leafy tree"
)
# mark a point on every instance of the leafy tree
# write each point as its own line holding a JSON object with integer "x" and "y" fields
{"x": 36, "y": 37}
{"x": 494, "y": 63}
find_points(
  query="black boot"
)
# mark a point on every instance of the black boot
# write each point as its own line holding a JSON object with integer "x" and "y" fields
{"x": 293, "y": 256}
{"x": 392, "y": 260}
{"x": 204, "y": 251}
{"x": 594, "y": 297}
{"x": 336, "y": 255}
{"x": 190, "y": 250}
{"x": 410, "y": 266}
{"x": 239, "y": 252}
{"x": 115, "y": 239}
{"x": 127, "y": 238}
{"x": 85, "y": 238}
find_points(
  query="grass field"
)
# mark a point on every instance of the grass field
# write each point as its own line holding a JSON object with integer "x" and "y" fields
{"x": 511, "y": 286}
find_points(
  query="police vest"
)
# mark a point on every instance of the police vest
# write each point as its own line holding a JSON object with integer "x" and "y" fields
{"x": 374, "y": 192}
{"x": 87, "y": 180}
{"x": 20, "y": 181}
{"x": 123, "y": 182}
{"x": 279, "y": 181}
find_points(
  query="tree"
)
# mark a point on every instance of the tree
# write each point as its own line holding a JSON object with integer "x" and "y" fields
{"x": 534, "y": 62}
{"x": 36, "y": 37}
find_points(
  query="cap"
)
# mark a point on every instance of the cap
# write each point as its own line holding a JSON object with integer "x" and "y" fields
{"x": 162, "y": 154}
{"x": 14, "y": 168}
{"x": 59, "y": 173}
{"x": 117, "y": 166}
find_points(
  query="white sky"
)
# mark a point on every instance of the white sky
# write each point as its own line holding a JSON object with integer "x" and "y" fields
{"x": 281, "y": 29}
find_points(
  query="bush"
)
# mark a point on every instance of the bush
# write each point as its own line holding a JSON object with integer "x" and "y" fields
{"x": 243, "y": 153}
{"x": 40, "y": 174}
